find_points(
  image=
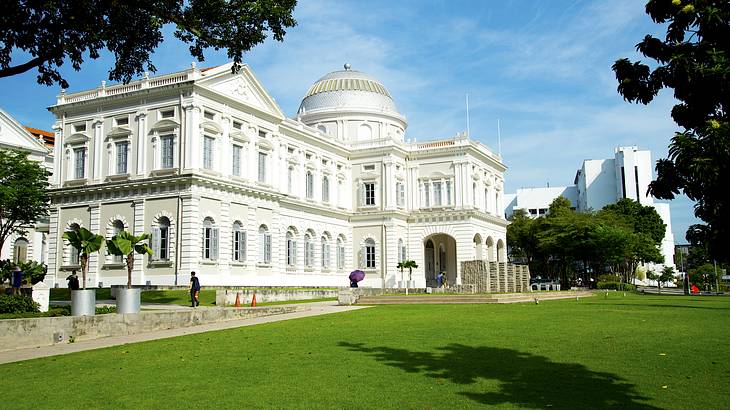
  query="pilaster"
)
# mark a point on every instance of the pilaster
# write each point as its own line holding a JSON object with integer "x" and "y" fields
{"x": 98, "y": 127}
{"x": 53, "y": 242}
{"x": 141, "y": 143}
{"x": 190, "y": 235}
{"x": 138, "y": 229}
{"x": 92, "y": 276}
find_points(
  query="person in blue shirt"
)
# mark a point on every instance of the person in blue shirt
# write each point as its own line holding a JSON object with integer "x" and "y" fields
{"x": 17, "y": 280}
{"x": 194, "y": 290}
{"x": 439, "y": 279}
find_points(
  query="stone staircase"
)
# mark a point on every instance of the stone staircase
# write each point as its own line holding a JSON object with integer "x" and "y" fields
{"x": 466, "y": 299}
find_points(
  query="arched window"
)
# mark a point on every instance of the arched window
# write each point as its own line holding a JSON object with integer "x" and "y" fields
{"x": 264, "y": 245}
{"x": 310, "y": 185}
{"x": 291, "y": 250}
{"x": 118, "y": 227}
{"x": 325, "y": 189}
{"x": 364, "y": 132}
{"x": 340, "y": 253}
{"x": 308, "y": 250}
{"x": 20, "y": 250}
{"x": 401, "y": 251}
{"x": 369, "y": 254}
{"x": 161, "y": 240}
{"x": 210, "y": 239}
{"x": 239, "y": 242}
{"x": 325, "y": 252}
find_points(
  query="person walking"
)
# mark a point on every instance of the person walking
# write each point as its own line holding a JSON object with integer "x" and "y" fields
{"x": 194, "y": 290}
{"x": 73, "y": 281}
{"x": 17, "y": 280}
{"x": 439, "y": 279}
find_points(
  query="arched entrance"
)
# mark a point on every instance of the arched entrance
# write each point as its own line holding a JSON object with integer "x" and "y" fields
{"x": 478, "y": 247}
{"x": 439, "y": 256}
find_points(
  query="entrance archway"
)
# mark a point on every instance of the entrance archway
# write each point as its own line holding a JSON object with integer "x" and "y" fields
{"x": 478, "y": 247}
{"x": 439, "y": 256}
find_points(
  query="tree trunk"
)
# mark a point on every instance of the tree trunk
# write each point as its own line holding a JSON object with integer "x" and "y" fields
{"x": 130, "y": 266}
{"x": 84, "y": 259}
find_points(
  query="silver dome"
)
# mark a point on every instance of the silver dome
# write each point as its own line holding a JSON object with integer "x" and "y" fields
{"x": 347, "y": 90}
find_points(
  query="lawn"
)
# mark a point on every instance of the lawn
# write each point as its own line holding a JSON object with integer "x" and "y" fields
{"x": 638, "y": 352}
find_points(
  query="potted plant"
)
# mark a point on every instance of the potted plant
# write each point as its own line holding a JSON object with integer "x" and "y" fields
{"x": 401, "y": 282}
{"x": 125, "y": 244}
{"x": 83, "y": 301}
{"x": 409, "y": 265}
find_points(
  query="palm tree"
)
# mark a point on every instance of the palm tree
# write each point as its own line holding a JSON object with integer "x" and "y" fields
{"x": 401, "y": 265}
{"x": 85, "y": 244}
{"x": 410, "y": 265}
{"x": 125, "y": 244}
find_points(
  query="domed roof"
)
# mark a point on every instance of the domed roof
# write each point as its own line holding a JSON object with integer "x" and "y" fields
{"x": 347, "y": 89}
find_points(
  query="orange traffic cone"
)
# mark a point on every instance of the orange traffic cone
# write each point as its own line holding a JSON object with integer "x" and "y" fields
{"x": 253, "y": 300}
{"x": 238, "y": 300}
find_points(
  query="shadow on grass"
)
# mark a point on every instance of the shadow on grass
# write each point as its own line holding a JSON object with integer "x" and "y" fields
{"x": 525, "y": 379}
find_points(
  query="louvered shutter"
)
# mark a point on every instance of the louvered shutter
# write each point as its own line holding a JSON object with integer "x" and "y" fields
{"x": 155, "y": 243}
{"x": 214, "y": 243}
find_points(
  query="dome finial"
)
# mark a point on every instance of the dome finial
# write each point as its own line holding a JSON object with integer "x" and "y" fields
{"x": 348, "y": 66}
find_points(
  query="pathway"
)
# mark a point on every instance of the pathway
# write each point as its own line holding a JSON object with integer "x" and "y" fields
{"x": 314, "y": 309}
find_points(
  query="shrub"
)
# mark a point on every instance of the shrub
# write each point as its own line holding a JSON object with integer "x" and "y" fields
{"x": 17, "y": 304}
{"x": 608, "y": 278}
{"x": 616, "y": 286}
{"x": 101, "y": 310}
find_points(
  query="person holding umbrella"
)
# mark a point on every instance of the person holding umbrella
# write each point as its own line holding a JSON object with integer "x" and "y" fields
{"x": 356, "y": 276}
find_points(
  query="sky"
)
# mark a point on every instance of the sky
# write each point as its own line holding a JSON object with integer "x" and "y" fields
{"x": 542, "y": 69}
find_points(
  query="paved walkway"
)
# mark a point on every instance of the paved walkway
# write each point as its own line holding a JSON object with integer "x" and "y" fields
{"x": 314, "y": 309}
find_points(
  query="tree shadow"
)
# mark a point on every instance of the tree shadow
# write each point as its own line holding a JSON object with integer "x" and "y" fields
{"x": 525, "y": 379}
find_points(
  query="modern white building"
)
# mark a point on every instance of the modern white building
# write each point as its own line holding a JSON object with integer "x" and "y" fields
{"x": 38, "y": 144}
{"x": 600, "y": 182}
{"x": 231, "y": 188}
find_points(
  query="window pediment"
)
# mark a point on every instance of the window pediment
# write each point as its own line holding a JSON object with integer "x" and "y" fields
{"x": 240, "y": 136}
{"x": 119, "y": 132}
{"x": 265, "y": 145}
{"x": 77, "y": 138}
{"x": 211, "y": 126}
{"x": 165, "y": 125}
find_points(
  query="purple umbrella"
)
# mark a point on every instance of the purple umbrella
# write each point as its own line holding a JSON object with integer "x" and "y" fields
{"x": 357, "y": 275}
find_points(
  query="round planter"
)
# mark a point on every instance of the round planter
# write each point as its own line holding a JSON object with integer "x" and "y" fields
{"x": 411, "y": 284}
{"x": 128, "y": 300}
{"x": 83, "y": 302}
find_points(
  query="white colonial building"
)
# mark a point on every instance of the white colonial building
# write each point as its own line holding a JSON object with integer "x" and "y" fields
{"x": 32, "y": 245}
{"x": 231, "y": 188}
{"x": 600, "y": 182}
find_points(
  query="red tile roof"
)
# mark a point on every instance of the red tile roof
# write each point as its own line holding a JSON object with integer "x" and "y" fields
{"x": 48, "y": 138}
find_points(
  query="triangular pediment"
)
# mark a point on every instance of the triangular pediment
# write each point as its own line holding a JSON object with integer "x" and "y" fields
{"x": 242, "y": 86}
{"x": 13, "y": 135}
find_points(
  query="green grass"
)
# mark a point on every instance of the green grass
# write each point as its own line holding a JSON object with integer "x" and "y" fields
{"x": 177, "y": 297}
{"x": 65, "y": 294}
{"x": 291, "y": 302}
{"x": 633, "y": 352}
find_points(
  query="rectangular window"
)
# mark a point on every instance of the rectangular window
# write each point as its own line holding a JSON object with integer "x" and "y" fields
{"x": 325, "y": 255}
{"x": 122, "y": 121}
{"x": 122, "y": 157}
{"x": 289, "y": 179}
{"x": 236, "y": 161}
{"x": 340, "y": 257}
{"x": 80, "y": 127}
{"x": 210, "y": 243}
{"x": 239, "y": 246}
{"x": 237, "y": 125}
{"x": 79, "y": 162}
{"x": 308, "y": 253}
{"x": 369, "y": 188}
{"x": 167, "y": 114}
{"x": 267, "y": 248}
{"x": 208, "y": 115}
{"x": 401, "y": 194}
{"x": 370, "y": 256}
{"x": 208, "y": 152}
{"x": 310, "y": 185}
{"x": 437, "y": 194}
{"x": 262, "y": 167}
{"x": 426, "y": 195}
{"x": 291, "y": 252}
{"x": 636, "y": 181}
{"x": 325, "y": 189}
{"x": 262, "y": 134}
{"x": 368, "y": 167}
{"x": 167, "y": 151}
{"x": 164, "y": 235}
{"x": 448, "y": 194}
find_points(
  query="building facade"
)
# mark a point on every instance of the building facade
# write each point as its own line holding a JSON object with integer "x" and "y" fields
{"x": 599, "y": 183}
{"x": 231, "y": 188}
{"x": 33, "y": 244}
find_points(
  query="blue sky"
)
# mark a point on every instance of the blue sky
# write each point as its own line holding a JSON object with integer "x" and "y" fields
{"x": 543, "y": 68}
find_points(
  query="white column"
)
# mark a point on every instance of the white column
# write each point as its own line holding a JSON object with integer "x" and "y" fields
{"x": 98, "y": 149}
{"x": 225, "y": 241}
{"x": 53, "y": 245}
{"x": 223, "y": 156}
{"x": 458, "y": 182}
{"x": 57, "y": 153}
{"x": 413, "y": 189}
{"x": 141, "y": 143}
{"x": 389, "y": 185}
{"x": 138, "y": 229}
{"x": 190, "y": 236}
{"x": 96, "y": 258}
{"x": 192, "y": 133}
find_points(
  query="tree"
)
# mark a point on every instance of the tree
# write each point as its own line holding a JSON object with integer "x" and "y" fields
{"x": 522, "y": 239}
{"x": 23, "y": 198}
{"x": 667, "y": 275}
{"x": 52, "y": 32}
{"x": 85, "y": 244}
{"x": 642, "y": 218}
{"x": 693, "y": 60}
{"x": 125, "y": 244}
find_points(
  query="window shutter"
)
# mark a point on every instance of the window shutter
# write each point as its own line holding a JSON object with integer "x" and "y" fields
{"x": 155, "y": 243}
{"x": 214, "y": 243}
{"x": 203, "y": 247}
{"x": 362, "y": 194}
{"x": 243, "y": 246}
